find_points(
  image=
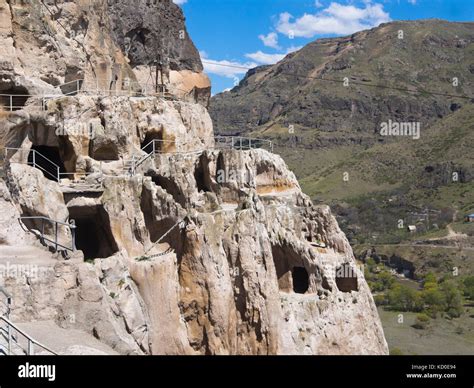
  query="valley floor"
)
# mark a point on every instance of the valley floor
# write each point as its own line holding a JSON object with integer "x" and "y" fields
{"x": 442, "y": 337}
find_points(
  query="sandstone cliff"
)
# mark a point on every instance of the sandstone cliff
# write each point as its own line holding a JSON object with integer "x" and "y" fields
{"x": 190, "y": 247}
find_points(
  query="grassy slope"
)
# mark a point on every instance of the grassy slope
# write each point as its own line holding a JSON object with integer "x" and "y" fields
{"x": 442, "y": 337}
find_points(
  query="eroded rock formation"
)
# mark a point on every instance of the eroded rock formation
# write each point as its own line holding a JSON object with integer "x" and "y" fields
{"x": 183, "y": 248}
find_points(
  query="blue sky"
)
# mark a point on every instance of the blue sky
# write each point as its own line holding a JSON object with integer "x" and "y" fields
{"x": 249, "y": 33}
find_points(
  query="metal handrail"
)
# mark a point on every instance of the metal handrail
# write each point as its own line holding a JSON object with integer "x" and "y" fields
{"x": 80, "y": 82}
{"x": 43, "y": 96}
{"x": 33, "y": 163}
{"x": 154, "y": 151}
{"x": 18, "y": 95}
{"x": 29, "y": 351}
{"x": 240, "y": 142}
{"x": 157, "y": 141}
{"x": 71, "y": 225}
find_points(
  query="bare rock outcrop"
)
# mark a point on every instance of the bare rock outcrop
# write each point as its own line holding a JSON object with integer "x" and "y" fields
{"x": 183, "y": 246}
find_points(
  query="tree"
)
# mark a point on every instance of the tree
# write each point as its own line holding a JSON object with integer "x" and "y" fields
{"x": 381, "y": 282}
{"x": 380, "y": 300}
{"x": 469, "y": 287}
{"x": 430, "y": 281}
{"x": 401, "y": 298}
{"x": 453, "y": 299}
{"x": 386, "y": 280}
{"x": 434, "y": 300}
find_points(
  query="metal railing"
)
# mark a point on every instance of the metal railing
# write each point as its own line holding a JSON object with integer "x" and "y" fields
{"x": 12, "y": 102}
{"x": 155, "y": 146}
{"x": 71, "y": 225}
{"x": 77, "y": 83}
{"x": 221, "y": 142}
{"x": 26, "y": 345}
{"x": 5, "y": 303}
{"x": 36, "y": 157}
{"x": 242, "y": 143}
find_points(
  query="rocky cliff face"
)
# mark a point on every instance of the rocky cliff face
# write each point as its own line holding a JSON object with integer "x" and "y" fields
{"x": 49, "y": 43}
{"x": 150, "y": 31}
{"x": 191, "y": 249}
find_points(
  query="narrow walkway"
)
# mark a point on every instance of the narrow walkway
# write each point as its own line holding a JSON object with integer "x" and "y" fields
{"x": 65, "y": 341}
{"x": 25, "y": 255}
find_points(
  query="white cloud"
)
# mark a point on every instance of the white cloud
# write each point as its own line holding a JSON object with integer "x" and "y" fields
{"x": 180, "y": 2}
{"x": 318, "y": 4}
{"x": 229, "y": 69}
{"x": 335, "y": 19}
{"x": 265, "y": 58}
{"x": 412, "y": 2}
{"x": 270, "y": 40}
{"x": 270, "y": 59}
{"x": 234, "y": 69}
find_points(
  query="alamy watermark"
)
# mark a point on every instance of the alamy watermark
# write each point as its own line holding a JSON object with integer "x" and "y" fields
{"x": 233, "y": 176}
{"x": 395, "y": 128}
{"x": 81, "y": 129}
{"x": 20, "y": 271}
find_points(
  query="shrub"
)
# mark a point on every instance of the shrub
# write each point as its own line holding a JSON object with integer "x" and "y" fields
{"x": 380, "y": 300}
{"x": 430, "y": 282}
{"x": 422, "y": 321}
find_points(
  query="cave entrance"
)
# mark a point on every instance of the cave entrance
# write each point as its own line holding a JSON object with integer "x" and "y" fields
{"x": 346, "y": 278}
{"x": 14, "y": 98}
{"x": 291, "y": 274}
{"x": 202, "y": 183}
{"x": 148, "y": 144}
{"x": 93, "y": 233}
{"x": 170, "y": 186}
{"x": 300, "y": 280}
{"x": 47, "y": 159}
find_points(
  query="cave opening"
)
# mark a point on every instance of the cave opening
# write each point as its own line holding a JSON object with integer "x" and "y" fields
{"x": 47, "y": 159}
{"x": 300, "y": 280}
{"x": 291, "y": 274}
{"x": 93, "y": 232}
{"x": 14, "y": 98}
{"x": 161, "y": 226}
{"x": 147, "y": 144}
{"x": 200, "y": 177}
{"x": 170, "y": 186}
{"x": 346, "y": 278}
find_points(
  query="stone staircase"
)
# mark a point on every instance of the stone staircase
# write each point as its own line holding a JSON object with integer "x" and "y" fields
{"x": 127, "y": 166}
